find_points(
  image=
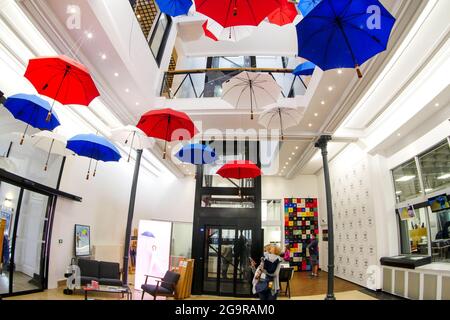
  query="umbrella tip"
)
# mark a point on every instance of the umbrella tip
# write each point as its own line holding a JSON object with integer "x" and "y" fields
{"x": 358, "y": 71}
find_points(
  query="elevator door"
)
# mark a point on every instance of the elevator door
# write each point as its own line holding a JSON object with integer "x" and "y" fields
{"x": 227, "y": 269}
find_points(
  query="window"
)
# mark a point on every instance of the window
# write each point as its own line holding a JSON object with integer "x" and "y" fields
{"x": 440, "y": 239}
{"x": 414, "y": 233}
{"x": 272, "y": 222}
{"x": 435, "y": 167}
{"x": 159, "y": 36}
{"x": 406, "y": 181}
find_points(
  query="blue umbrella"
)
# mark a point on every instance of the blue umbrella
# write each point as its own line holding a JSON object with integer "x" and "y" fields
{"x": 304, "y": 69}
{"x": 174, "y": 7}
{"x": 32, "y": 110}
{"x": 148, "y": 234}
{"x": 306, "y": 6}
{"x": 344, "y": 33}
{"x": 197, "y": 153}
{"x": 93, "y": 147}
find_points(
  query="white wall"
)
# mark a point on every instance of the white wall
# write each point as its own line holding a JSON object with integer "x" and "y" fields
{"x": 302, "y": 186}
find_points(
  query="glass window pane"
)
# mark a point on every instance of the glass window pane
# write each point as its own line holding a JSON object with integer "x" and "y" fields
{"x": 181, "y": 247}
{"x": 228, "y": 201}
{"x": 440, "y": 239}
{"x": 435, "y": 166}
{"x": 414, "y": 233}
{"x": 406, "y": 181}
{"x": 160, "y": 29}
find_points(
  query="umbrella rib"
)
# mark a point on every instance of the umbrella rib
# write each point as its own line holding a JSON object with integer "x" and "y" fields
{"x": 265, "y": 90}
{"x": 240, "y": 96}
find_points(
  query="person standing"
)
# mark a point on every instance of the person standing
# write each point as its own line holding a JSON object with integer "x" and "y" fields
{"x": 266, "y": 282}
{"x": 227, "y": 256}
{"x": 313, "y": 249}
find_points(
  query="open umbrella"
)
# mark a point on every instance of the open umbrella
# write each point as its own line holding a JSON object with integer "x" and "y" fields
{"x": 32, "y": 110}
{"x": 94, "y": 147}
{"x": 251, "y": 90}
{"x": 306, "y": 6}
{"x": 231, "y": 13}
{"x": 62, "y": 79}
{"x": 304, "y": 69}
{"x": 239, "y": 169}
{"x": 216, "y": 32}
{"x": 284, "y": 14}
{"x": 133, "y": 137}
{"x": 280, "y": 117}
{"x": 51, "y": 143}
{"x": 197, "y": 154}
{"x": 344, "y": 34}
{"x": 168, "y": 125}
{"x": 174, "y": 8}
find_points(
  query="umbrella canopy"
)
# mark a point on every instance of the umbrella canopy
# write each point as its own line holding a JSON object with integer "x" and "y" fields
{"x": 251, "y": 90}
{"x": 168, "y": 125}
{"x": 280, "y": 117}
{"x": 133, "y": 137}
{"x": 305, "y": 6}
{"x": 304, "y": 69}
{"x": 239, "y": 169}
{"x": 174, "y": 8}
{"x": 231, "y": 13}
{"x": 32, "y": 110}
{"x": 216, "y": 32}
{"x": 284, "y": 14}
{"x": 62, "y": 79}
{"x": 51, "y": 143}
{"x": 344, "y": 34}
{"x": 197, "y": 154}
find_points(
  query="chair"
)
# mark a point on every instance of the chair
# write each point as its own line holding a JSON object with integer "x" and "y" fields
{"x": 164, "y": 286}
{"x": 286, "y": 275}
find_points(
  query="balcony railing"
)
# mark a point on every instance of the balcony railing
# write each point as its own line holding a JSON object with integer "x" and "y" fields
{"x": 207, "y": 83}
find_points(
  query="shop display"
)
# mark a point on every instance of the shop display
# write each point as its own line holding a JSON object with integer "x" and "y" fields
{"x": 406, "y": 213}
{"x": 439, "y": 203}
{"x": 301, "y": 221}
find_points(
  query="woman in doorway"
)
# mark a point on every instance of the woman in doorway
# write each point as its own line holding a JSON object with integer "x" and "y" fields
{"x": 266, "y": 280}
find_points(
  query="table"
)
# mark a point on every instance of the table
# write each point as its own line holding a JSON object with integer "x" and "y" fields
{"x": 109, "y": 289}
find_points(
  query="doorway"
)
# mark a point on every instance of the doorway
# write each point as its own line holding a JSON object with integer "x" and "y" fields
{"x": 227, "y": 270}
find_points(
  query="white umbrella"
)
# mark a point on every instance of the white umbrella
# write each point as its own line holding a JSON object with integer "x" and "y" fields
{"x": 133, "y": 137}
{"x": 280, "y": 117}
{"x": 233, "y": 34}
{"x": 50, "y": 142}
{"x": 251, "y": 90}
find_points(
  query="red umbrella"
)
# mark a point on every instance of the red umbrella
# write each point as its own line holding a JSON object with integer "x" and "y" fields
{"x": 62, "y": 79}
{"x": 239, "y": 169}
{"x": 231, "y": 13}
{"x": 284, "y": 14}
{"x": 208, "y": 33}
{"x": 168, "y": 125}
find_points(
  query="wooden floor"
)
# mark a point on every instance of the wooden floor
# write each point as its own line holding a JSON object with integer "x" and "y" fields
{"x": 303, "y": 285}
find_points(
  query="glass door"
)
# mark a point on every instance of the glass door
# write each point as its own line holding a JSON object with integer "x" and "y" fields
{"x": 227, "y": 269}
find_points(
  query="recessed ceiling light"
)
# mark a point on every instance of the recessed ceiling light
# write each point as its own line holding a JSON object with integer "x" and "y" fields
{"x": 287, "y": 163}
{"x": 339, "y": 71}
{"x": 310, "y": 125}
{"x": 127, "y": 90}
{"x": 330, "y": 88}
{"x": 437, "y": 104}
{"x": 293, "y": 153}
{"x": 316, "y": 114}
{"x": 103, "y": 56}
{"x": 296, "y": 148}
{"x": 399, "y": 134}
{"x": 322, "y": 102}
{"x": 290, "y": 158}
{"x": 138, "y": 16}
{"x": 116, "y": 74}
{"x": 137, "y": 103}
{"x": 89, "y": 35}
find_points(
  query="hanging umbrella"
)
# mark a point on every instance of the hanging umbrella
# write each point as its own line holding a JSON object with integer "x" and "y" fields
{"x": 133, "y": 137}
{"x": 168, "y": 125}
{"x": 280, "y": 117}
{"x": 216, "y": 32}
{"x": 231, "y": 13}
{"x": 62, "y": 79}
{"x": 197, "y": 154}
{"x": 284, "y": 14}
{"x": 51, "y": 143}
{"x": 306, "y": 6}
{"x": 251, "y": 90}
{"x": 304, "y": 69}
{"x": 94, "y": 147}
{"x": 239, "y": 169}
{"x": 340, "y": 34}
{"x": 32, "y": 110}
{"x": 174, "y": 8}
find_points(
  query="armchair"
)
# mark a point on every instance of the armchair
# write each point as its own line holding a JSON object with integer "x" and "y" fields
{"x": 164, "y": 286}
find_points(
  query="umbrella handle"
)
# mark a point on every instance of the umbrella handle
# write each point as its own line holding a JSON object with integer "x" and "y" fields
{"x": 49, "y": 117}
{"x": 46, "y": 167}
{"x": 87, "y": 176}
{"x": 358, "y": 71}
{"x": 24, "y": 133}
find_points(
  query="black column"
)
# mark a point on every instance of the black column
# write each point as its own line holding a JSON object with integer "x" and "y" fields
{"x": 126, "y": 250}
{"x": 322, "y": 144}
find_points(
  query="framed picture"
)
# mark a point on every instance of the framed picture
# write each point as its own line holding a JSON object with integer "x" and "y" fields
{"x": 82, "y": 240}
